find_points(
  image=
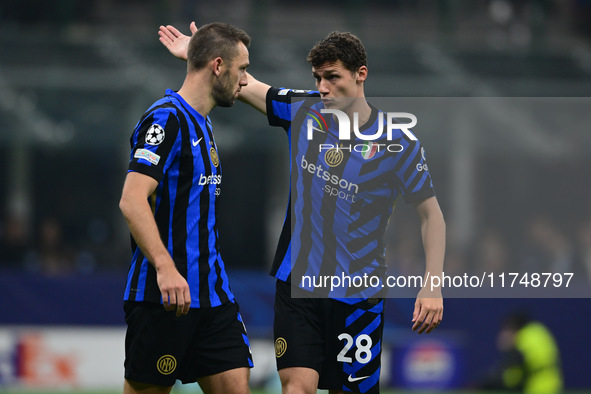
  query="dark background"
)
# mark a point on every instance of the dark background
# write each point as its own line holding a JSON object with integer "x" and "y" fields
{"x": 76, "y": 75}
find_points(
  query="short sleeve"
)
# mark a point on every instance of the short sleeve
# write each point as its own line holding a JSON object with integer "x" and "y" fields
{"x": 279, "y": 104}
{"x": 155, "y": 143}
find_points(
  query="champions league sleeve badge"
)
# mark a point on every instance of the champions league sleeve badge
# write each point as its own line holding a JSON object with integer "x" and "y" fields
{"x": 155, "y": 135}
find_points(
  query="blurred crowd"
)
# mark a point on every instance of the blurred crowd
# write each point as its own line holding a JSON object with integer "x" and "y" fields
{"x": 544, "y": 247}
{"x": 46, "y": 249}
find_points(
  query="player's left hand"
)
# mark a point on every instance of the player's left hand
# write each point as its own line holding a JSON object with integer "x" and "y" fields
{"x": 176, "y": 42}
{"x": 427, "y": 315}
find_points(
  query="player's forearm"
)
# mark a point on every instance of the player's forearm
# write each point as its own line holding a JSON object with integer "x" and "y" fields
{"x": 255, "y": 94}
{"x": 433, "y": 236}
{"x": 142, "y": 226}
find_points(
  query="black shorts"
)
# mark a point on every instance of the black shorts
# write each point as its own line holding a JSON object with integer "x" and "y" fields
{"x": 342, "y": 342}
{"x": 161, "y": 348}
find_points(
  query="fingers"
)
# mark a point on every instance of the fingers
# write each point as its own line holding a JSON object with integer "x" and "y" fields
{"x": 183, "y": 309}
{"x": 166, "y": 42}
{"x": 434, "y": 323}
{"x": 172, "y": 298}
{"x": 427, "y": 315}
{"x": 183, "y": 301}
{"x": 176, "y": 295}
{"x": 166, "y": 301}
{"x": 418, "y": 321}
{"x": 423, "y": 323}
{"x": 416, "y": 312}
{"x": 173, "y": 31}
{"x": 165, "y": 39}
{"x": 166, "y": 34}
{"x": 178, "y": 299}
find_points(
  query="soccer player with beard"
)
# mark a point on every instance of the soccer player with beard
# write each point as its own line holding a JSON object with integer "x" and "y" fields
{"x": 334, "y": 342}
{"x": 183, "y": 322}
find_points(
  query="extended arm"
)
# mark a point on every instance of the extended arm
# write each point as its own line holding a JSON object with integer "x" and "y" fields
{"x": 140, "y": 219}
{"x": 254, "y": 94}
{"x": 428, "y": 310}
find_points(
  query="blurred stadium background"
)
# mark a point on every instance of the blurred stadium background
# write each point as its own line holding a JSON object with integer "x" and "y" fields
{"x": 76, "y": 75}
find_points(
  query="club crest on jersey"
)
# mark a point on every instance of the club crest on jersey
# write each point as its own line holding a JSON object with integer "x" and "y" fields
{"x": 280, "y": 347}
{"x": 155, "y": 135}
{"x": 166, "y": 364}
{"x": 334, "y": 157}
{"x": 214, "y": 156}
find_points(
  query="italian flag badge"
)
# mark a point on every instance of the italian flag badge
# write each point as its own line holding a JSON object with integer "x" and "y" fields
{"x": 369, "y": 150}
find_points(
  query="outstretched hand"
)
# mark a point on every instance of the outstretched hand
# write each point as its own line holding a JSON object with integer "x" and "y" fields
{"x": 176, "y": 42}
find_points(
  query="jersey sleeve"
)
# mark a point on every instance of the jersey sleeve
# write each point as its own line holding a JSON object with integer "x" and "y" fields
{"x": 281, "y": 102}
{"x": 412, "y": 173}
{"x": 155, "y": 143}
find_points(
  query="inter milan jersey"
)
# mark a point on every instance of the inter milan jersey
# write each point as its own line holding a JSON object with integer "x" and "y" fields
{"x": 174, "y": 144}
{"x": 341, "y": 196}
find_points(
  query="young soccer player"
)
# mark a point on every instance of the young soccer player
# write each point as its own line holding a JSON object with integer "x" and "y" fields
{"x": 335, "y": 342}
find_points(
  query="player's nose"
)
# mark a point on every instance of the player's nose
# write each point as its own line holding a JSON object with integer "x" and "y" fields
{"x": 243, "y": 81}
{"x": 323, "y": 87}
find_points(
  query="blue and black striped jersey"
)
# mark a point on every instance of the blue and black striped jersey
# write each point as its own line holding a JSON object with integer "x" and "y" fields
{"x": 174, "y": 144}
{"x": 341, "y": 197}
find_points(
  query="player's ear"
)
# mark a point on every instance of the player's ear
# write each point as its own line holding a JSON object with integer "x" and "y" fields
{"x": 361, "y": 74}
{"x": 216, "y": 66}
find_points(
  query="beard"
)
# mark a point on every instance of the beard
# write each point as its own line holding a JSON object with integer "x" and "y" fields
{"x": 223, "y": 91}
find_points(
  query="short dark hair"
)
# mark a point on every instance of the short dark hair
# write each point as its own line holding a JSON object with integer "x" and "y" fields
{"x": 345, "y": 47}
{"x": 213, "y": 40}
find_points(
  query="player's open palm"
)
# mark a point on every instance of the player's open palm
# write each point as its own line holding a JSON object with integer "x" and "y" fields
{"x": 174, "y": 289}
{"x": 176, "y": 42}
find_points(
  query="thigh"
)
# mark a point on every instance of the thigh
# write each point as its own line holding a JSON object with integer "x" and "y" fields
{"x": 155, "y": 342}
{"x": 219, "y": 344}
{"x": 131, "y": 387}
{"x": 233, "y": 381}
{"x": 298, "y": 330}
{"x": 298, "y": 380}
{"x": 353, "y": 346}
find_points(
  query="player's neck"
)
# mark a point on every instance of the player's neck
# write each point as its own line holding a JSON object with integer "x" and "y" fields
{"x": 196, "y": 91}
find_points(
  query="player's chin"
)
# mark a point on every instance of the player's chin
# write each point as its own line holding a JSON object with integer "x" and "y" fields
{"x": 226, "y": 103}
{"x": 334, "y": 105}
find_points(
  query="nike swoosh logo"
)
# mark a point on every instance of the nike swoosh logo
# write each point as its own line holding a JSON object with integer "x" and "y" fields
{"x": 352, "y": 379}
{"x": 195, "y": 143}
